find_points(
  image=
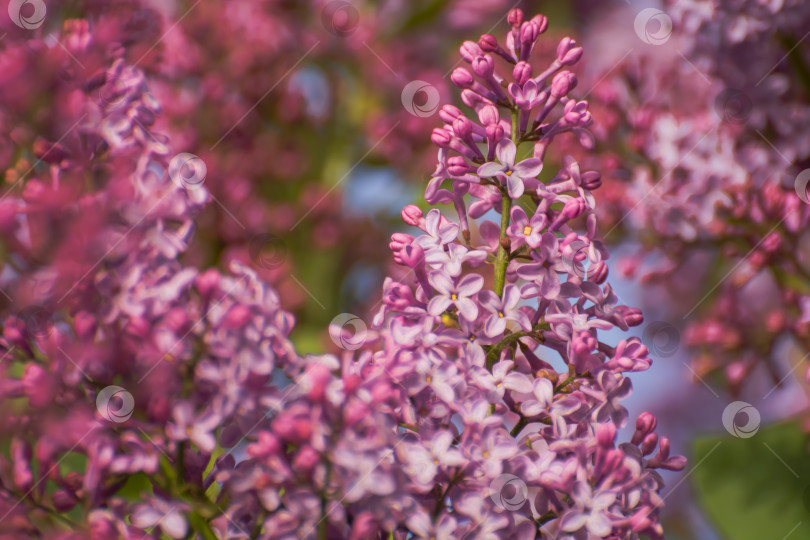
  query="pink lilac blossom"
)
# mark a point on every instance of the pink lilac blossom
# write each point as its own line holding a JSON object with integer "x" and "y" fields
{"x": 713, "y": 151}
{"x": 150, "y": 376}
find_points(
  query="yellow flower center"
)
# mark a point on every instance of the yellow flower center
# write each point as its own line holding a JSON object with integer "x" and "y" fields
{"x": 500, "y": 314}
{"x": 508, "y": 173}
{"x": 527, "y": 230}
{"x": 453, "y": 297}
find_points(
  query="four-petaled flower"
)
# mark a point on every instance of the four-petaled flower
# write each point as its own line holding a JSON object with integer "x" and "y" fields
{"x": 508, "y": 172}
{"x": 503, "y": 310}
{"x": 449, "y": 293}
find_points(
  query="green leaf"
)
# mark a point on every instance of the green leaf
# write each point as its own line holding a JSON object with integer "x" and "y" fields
{"x": 756, "y": 488}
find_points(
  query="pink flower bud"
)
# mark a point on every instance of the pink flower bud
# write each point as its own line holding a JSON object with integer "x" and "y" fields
{"x": 488, "y": 43}
{"x": 412, "y": 215}
{"x": 441, "y": 137}
{"x": 207, "y": 282}
{"x": 462, "y": 127}
{"x": 495, "y": 132}
{"x": 567, "y": 52}
{"x": 515, "y": 17}
{"x": 522, "y": 72}
{"x": 448, "y": 113}
{"x": 528, "y": 33}
{"x": 489, "y": 115}
{"x": 461, "y": 77}
{"x": 473, "y": 100}
{"x": 484, "y": 66}
{"x": 306, "y": 459}
{"x": 413, "y": 256}
{"x": 237, "y": 317}
{"x": 470, "y": 51}
{"x": 649, "y": 443}
{"x": 458, "y": 166}
{"x": 562, "y": 83}
{"x": 605, "y": 435}
{"x": 645, "y": 424}
{"x": 573, "y": 208}
{"x": 317, "y": 377}
{"x": 591, "y": 180}
{"x": 598, "y": 273}
{"x": 542, "y": 23}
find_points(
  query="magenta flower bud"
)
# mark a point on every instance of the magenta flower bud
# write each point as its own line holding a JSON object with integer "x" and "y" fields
{"x": 567, "y": 52}
{"x": 515, "y": 17}
{"x": 293, "y": 428}
{"x": 461, "y": 77}
{"x": 522, "y": 72}
{"x": 472, "y": 99}
{"x": 458, "y": 166}
{"x": 363, "y": 526}
{"x": 598, "y": 273}
{"x": 605, "y": 435}
{"x": 305, "y": 460}
{"x": 495, "y": 132}
{"x": 462, "y": 127}
{"x": 207, "y": 282}
{"x": 399, "y": 240}
{"x": 237, "y": 317}
{"x": 645, "y": 424}
{"x": 632, "y": 316}
{"x": 441, "y": 137}
{"x": 489, "y": 115}
{"x": 470, "y": 51}
{"x": 317, "y": 377}
{"x": 448, "y": 113}
{"x": 63, "y": 500}
{"x": 354, "y": 411}
{"x": 412, "y": 215}
{"x": 577, "y": 114}
{"x": 542, "y": 23}
{"x": 21, "y": 458}
{"x": 484, "y": 66}
{"x": 528, "y": 33}
{"x": 413, "y": 256}
{"x": 591, "y": 180}
{"x": 649, "y": 443}
{"x": 562, "y": 83}
{"x": 573, "y": 208}
{"x": 488, "y": 43}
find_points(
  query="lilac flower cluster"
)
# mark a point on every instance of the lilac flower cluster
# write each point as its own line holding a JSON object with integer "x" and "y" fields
{"x": 498, "y": 441}
{"x": 144, "y": 397}
{"x": 718, "y": 191}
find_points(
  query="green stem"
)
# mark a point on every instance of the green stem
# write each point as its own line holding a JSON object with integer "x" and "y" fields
{"x": 502, "y": 258}
{"x": 201, "y": 526}
{"x": 495, "y": 351}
